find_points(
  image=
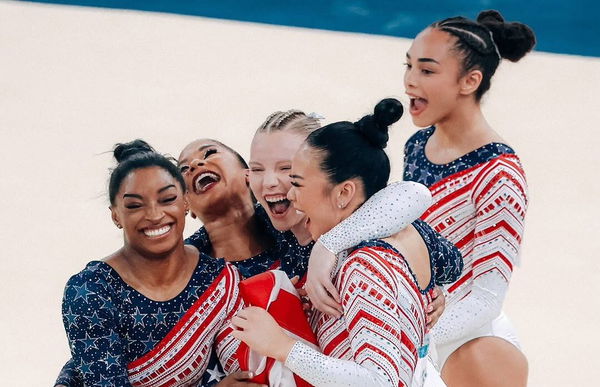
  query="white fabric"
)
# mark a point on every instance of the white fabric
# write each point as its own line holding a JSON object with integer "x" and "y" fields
{"x": 385, "y": 213}
{"x": 500, "y": 327}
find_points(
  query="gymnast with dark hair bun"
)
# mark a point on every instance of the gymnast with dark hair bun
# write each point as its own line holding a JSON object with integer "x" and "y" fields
{"x": 383, "y": 283}
{"x": 478, "y": 186}
{"x": 129, "y": 315}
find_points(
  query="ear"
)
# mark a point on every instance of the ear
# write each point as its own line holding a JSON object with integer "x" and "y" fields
{"x": 469, "y": 83}
{"x": 247, "y": 176}
{"x": 114, "y": 216}
{"x": 345, "y": 192}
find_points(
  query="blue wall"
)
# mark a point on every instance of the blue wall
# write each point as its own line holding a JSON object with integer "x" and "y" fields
{"x": 561, "y": 26}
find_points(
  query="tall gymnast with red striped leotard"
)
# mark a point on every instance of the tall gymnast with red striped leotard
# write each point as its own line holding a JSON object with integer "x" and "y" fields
{"x": 478, "y": 186}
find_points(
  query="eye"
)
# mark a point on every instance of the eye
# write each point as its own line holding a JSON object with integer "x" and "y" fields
{"x": 426, "y": 72}
{"x": 256, "y": 170}
{"x": 210, "y": 152}
{"x": 170, "y": 199}
{"x": 183, "y": 168}
{"x": 295, "y": 184}
{"x": 286, "y": 168}
{"x": 132, "y": 206}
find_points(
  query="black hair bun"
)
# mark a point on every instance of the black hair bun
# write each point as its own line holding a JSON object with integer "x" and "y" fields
{"x": 375, "y": 127}
{"x": 124, "y": 151}
{"x": 513, "y": 39}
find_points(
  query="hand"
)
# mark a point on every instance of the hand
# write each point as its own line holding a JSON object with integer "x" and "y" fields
{"x": 259, "y": 330}
{"x": 321, "y": 291}
{"x": 436, "y": 306}
{"x": 239, "y": 379}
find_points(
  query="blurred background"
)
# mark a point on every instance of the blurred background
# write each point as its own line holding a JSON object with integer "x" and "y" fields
{"x": 78, "y": 76}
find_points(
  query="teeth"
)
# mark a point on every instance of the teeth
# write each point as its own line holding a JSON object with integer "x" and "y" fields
{"x": 299, "y": 212}
{"x": 275, "y": 198}
{"x": 157, "y": 232}
{"x": 203, "y": 175}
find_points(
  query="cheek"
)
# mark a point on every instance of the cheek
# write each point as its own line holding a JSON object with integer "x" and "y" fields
{"x": 255, "y": 181}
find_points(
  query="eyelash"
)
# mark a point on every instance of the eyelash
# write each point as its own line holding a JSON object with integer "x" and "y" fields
{"x": 170, "y": 199}
{"x": 209, "y": 152}
{"x": 183, "y": 169}
{"x": 295, "y": 184}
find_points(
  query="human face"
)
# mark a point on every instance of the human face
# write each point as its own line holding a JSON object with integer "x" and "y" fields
{"x": 432, "y": 77}
{"x": 213, "y": 174}
{"x": 270, "y": 164}
{"x": 312, "y": 194}
{"x": 150, "y": 206}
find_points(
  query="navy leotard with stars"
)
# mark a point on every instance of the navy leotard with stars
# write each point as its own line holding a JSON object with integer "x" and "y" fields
{"x": 417, "y": 166}
{"x": 286, "y": 254}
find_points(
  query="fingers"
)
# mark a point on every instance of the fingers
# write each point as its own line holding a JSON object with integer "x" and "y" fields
{"x": 436, "y": 307}
{"x": 323, "y": 302}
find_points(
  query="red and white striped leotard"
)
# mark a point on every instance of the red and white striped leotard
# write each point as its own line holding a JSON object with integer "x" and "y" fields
{"x": 480, "y": 202}
{"x": 376, "y": 341}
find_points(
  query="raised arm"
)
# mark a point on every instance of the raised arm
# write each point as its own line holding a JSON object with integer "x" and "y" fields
{"x": 384, "y": 214}
{"x": 501, "y": 202}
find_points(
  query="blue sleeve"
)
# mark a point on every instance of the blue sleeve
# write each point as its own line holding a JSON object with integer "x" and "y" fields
{"x": 446, "y": 260}
{"x": 69, "y": 376}
{"x": 89, "y": 317}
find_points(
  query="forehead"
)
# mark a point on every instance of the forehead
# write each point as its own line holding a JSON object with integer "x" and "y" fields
{"x": 149, "y": 179}
{"x": 431, "y": 43}
{"x": 280, "y": 145}
{"x": 196, "y": 146}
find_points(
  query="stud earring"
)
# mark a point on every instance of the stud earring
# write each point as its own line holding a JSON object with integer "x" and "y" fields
{"x": 118, "y": 225}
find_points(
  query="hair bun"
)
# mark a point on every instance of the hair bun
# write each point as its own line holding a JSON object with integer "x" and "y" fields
{"x": 513, "y": 39}
{"x": 375, "y": 127}
{"x": 123, "y": 151}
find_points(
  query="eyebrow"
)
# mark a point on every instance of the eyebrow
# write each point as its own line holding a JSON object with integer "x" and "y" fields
{"x": 203, "y": 147}
{"x": 424, "y": 59}
{"x": 140, "y": 196}
{"x": 296, "y": 177}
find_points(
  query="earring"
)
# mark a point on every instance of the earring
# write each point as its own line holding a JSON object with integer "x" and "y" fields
{"x": 118, "y": 225}
{"x": 341, "y": 205}
{"x": 187, "y": 212}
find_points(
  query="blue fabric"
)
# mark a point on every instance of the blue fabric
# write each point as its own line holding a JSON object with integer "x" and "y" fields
{"x": 418, "y": 168}
{"x": 109, "y": 324}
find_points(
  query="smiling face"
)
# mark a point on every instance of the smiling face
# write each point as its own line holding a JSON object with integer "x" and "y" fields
{"x": 270, "y": 164}
{"x": 213, "y": 174}
{"x": 150, "y": 206}
{"x": 323, "y": 203}
{"x": 432, "y": 77}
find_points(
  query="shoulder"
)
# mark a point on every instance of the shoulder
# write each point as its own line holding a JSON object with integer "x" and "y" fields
{"x": 505, "y": 169}
{"x": 199, "y": 240}
{"x": 96, "y": 274}
{"x": 370, "y": 257}
{"x": 419, "y": 137}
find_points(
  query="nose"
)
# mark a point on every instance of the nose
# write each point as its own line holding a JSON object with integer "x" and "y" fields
{"x": 196, "y": 163}
{"x": 269, "y": 180}
{"x": 154, "y": 213}
{"x": 291, "y": 195}
{"x": 410, "y": 79}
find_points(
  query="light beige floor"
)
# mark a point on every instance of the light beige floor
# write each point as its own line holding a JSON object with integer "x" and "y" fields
{"x": 73, "y": 81}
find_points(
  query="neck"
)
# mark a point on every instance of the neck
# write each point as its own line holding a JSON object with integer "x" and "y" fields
{"x": 235, "y": 235}
{"x": 155, "y": 271}
{"x": 301, "y": 233}
{"x": 465, "y": 125}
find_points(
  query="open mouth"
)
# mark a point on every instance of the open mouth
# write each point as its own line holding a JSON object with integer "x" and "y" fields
{"x": 205, "y": 181}
{"x": 278, "y": 204}
{"x": 417, "y": 105}
{"x": 157, "y": 232}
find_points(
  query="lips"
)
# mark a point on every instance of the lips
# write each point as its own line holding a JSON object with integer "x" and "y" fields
{"x": 204, "y": 181}
{"x": 278, "y": 204}
{"x": 156, "y": 232}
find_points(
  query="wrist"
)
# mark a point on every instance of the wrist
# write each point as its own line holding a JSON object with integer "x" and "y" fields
{"x": 284, "y": 348}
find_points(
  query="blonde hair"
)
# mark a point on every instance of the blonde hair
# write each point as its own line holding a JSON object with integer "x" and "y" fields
{"x": 291, "y": 120}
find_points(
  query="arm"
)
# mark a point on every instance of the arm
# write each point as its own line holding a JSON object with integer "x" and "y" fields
{"x": 384, "y": 214}
{"x": 69, "y": 376}
{"x": 500, "y": 201}
{"x": 89, "y": 320}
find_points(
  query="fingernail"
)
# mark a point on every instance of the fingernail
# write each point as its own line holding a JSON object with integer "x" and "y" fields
{"x": 250, "y": 375}
{"x": 429, "y": 308}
